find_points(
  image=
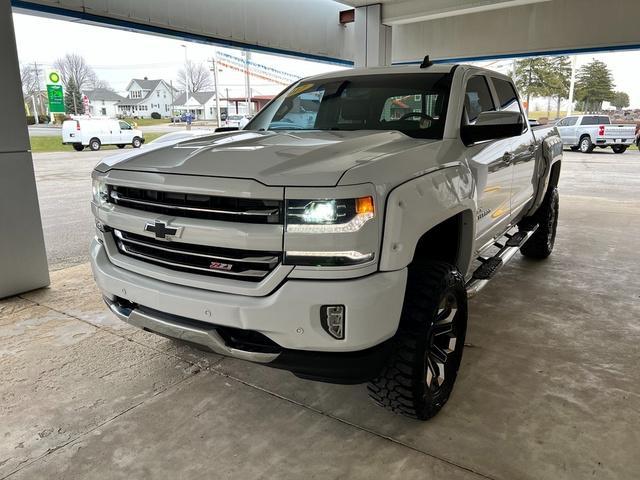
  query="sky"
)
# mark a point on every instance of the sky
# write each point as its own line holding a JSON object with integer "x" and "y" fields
{"x": 117, "y": 56}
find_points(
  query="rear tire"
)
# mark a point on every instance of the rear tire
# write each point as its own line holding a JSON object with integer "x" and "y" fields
{"x": 136, "y": 143}
{"x": 422, "y": 368}
{"x": 541, "y": 243}
{"x": 619, "y": 148}
{"x": 585, "y": 145}
{"x": 121, "y": 145}
{"x": 95, "y": 144}
{"x": 78, "y": 147}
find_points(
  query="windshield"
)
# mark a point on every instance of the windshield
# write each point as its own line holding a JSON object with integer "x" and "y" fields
{"x": 414, "y": 104}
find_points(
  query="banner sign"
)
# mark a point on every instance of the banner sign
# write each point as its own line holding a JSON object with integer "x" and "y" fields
{"x": 55, "y": 92}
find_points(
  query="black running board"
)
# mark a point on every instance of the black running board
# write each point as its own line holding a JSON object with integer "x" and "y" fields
{"x": 491, "y": 265}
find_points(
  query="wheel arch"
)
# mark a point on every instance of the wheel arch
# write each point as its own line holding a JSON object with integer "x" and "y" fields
{"x": 430, "y": 218}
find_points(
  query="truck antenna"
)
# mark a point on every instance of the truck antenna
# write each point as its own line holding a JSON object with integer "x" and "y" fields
{"x": 426, "y": 62}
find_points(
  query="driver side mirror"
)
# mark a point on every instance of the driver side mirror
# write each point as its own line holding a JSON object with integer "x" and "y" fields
{"x": 493, "y": 126}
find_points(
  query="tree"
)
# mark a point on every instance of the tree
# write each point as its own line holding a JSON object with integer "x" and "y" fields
{"x": 29, "y": 79}
{"x": 196, "y": 77}
{"x": 559, "y": 80}
{"x": 594, "y": 85}
{"x": 620, "y": 100}
{"x": 532, "y": 76}
{"x": 74, "y": 67}
{"x": 72, "y": 97}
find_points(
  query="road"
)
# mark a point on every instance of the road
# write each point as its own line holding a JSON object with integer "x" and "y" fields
{"x": 548, "y": 387}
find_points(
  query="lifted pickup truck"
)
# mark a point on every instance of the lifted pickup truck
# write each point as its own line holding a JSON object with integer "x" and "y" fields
{"x": 586, "y": 132}
{"x": 340, "y": 233}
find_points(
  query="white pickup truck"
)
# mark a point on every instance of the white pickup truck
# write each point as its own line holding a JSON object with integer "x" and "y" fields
{"x": 340, "y": 233}
{"x": 586, "y": 132}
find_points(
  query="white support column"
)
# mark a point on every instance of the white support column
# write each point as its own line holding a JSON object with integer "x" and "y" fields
{"x": 23, "y": 261}
{"x": 372, "y": 38}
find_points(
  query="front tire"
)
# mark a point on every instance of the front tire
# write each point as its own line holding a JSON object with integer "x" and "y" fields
{"x": 421, "y": 371}
{"x": 541, "y": 243}
{"x": 585, "y": 145}
{"x": 136, "y": 143}
{"x": 619, "y": 148}
{"x": 94, "y": 144}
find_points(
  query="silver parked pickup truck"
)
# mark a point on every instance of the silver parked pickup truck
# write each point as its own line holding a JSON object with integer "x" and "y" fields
{"x": 340, "y": 233}
{"x": 586, "y": 132}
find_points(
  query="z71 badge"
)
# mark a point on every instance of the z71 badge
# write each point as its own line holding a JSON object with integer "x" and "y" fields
{"x": 220, "y": 266}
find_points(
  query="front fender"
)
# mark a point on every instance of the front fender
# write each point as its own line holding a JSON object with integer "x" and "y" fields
{"x": 415, "y": 207}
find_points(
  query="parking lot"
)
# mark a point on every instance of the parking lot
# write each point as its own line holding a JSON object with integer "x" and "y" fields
{"x": 548, "y": 386}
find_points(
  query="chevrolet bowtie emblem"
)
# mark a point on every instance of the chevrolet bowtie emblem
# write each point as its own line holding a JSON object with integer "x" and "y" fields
{"x": 160, "y": 229}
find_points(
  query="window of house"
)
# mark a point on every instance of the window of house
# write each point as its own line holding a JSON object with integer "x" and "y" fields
{"x": 477, "y": 98}
{"x": 158, "y": 94}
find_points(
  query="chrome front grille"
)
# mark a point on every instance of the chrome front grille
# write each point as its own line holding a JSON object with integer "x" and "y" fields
{"x": 247, "y": 265}
{"x": 191, "y": 205}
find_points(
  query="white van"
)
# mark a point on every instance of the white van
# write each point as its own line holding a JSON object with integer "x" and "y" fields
{"x": 97, "y": 132}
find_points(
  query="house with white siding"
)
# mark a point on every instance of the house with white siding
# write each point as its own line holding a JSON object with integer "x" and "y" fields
{"x": 201, "y": 104}
{"x": 103, "y": 102}
{"x": 146, "y": 96}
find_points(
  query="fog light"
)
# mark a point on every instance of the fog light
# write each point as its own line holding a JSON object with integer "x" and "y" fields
{"x": 332, "y": 318}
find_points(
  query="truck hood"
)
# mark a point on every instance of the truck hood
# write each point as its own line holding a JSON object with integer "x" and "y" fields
{"x": 310, "y": 158}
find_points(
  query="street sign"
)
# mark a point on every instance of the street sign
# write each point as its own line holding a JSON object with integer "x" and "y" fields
{"x": 55, "y": 92}
{"x": 85, "y": 104}
{"x": 56, "y": 98}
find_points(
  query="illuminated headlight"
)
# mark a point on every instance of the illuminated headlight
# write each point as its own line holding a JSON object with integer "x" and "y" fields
{"x": 100, "y": 192}
{"x": 329, "y": 215}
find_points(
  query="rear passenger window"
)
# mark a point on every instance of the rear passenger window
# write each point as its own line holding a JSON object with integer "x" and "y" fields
{"x": 477, "y": 98}
{"x": 506, "y": 95}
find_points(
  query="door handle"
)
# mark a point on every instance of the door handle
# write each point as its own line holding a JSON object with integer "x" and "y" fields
{"x": 507, "y": 157}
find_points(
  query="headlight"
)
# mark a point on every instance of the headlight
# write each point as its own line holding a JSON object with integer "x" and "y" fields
{"x": 329, "y": 215}
{"x": 100, "y": 192}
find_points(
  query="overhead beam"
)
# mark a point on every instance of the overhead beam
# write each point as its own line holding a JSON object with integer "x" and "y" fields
{"x": 415, "y": 11}
{"x": 308, "y": 29}
{"x": 550, "y": 27}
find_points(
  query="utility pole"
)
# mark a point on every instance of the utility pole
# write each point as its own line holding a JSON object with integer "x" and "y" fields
{"x": 572, "y": 84}
{"x": 214, "y": 67}
{"x": 35, "y": 110}
{"x": 35, "y": 107}
{"x": 247, "y": 57}
{"x": 173, "y": 114}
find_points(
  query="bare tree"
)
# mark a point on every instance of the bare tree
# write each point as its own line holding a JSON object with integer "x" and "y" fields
{"x": 29, "y": 79}
{"x": 196, "y": 76}
{"x": 74, "y": 66}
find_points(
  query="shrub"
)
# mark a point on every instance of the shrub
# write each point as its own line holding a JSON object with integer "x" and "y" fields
{"x": 41, "y": 118}
{"x": 156, "y": 115}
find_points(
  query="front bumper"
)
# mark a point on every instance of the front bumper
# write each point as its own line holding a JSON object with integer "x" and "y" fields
{"x": 289, "y": 317}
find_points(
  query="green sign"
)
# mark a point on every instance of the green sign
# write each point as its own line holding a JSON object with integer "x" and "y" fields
{"x": 56, "y": 98}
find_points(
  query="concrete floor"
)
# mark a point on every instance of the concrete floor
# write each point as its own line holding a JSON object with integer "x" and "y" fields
{"x": 549, "y": 386}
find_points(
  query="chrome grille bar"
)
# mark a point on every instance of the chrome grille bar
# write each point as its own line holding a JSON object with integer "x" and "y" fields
{"x": 199, "y": 259}
{"x": 246, "y": 273}
{"x": 267, "y": 214}
{"x": 271, "y": 261}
